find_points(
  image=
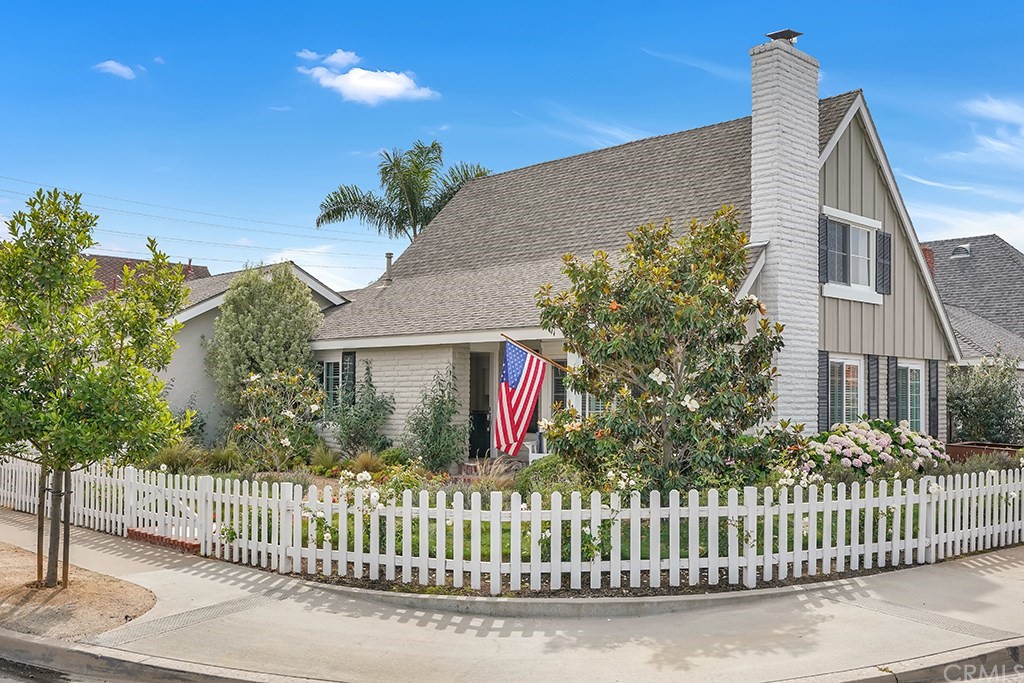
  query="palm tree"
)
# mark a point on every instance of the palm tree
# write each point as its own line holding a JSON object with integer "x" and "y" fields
{"x": 415, "y": 189}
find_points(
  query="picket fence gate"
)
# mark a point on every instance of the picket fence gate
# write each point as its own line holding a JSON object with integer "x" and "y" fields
{"x": 505, "y": 543}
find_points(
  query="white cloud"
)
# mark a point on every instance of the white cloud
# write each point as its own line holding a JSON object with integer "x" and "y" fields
{"x": 115, "y": 69}
{"x": 722, "y": 71}
{"x": 935, "y": 221}
{"x": 1006, "y": 194}
{"x": 325, "y": 266}
{"x": 591, "y": 132}
{"x": 159, "y": 60}
{"x": 342, "y": 59}
{"x": 370, "y": 87}
{"x": 1003, "y": 145}
{"x": 362, "y": 85}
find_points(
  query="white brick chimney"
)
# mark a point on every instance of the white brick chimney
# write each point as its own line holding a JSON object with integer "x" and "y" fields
{"x": 784, "y": 212}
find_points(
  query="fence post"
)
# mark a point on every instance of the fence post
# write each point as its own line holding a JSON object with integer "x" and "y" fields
{"x": 750, "y": 537}
{"x": 285, "y": 520}
{"x": 926, "y": 518}
{"x": 205, "y": 513}
{"x": 131, "y": 499}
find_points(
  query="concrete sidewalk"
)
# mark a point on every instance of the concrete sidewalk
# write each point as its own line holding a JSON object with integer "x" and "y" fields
{"x": 223, "y": 615}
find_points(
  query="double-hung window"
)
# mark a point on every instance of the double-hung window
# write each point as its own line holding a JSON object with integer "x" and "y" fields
{"x": 588, "y": 405}
{"x": 909, "y": 406}
{"x": 854, "y": 257}
{"x": 846, "y": 390}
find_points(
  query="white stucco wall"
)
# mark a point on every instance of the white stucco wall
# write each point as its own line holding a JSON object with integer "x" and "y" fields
{"x": 186, "y": 374}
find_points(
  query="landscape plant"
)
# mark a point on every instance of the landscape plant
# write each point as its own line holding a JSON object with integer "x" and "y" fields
{"x": 986, "y": 401}
{"x": 436, "y": 433}
{"x": 680, "y": 362}
{"x": 276, "y": 427}
{"x": 265, "y": 326}
{"x": 360, "y": 416}
{"x": 78, "y": 365}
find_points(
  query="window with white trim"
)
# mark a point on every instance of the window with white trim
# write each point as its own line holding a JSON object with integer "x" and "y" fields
{"x": 850, "y": 254}
{"x": 588, "y": 404}
{"x": 338, "y": 378}
{"x": 845, "y": 390}
{"x": 909, "y": 389}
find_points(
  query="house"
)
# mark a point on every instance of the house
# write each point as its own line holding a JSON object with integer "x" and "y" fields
{"x": 834, "y": 256}
{"x": 981, "y": 282}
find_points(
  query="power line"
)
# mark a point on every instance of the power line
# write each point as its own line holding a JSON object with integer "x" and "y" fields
{"x": 128, "y": 252}
{"x": 173, "y": 208}
{"x": 317, "y": 234}
{"x": 232, "y": 246}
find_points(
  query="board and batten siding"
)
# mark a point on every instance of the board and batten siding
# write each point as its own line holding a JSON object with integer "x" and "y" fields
{"x": 906, "y": 324}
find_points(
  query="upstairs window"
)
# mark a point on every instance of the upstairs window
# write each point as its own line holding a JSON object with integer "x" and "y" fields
{"x": 849, "y": 254}
{"x": 854, "y": 257}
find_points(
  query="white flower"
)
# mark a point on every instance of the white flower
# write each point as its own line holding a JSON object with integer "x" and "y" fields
{"x": 690, "y": 402}
{"x": 289, "y": 414}
{"x": 327, "y": 535}
{"x": 286, "y": 442}
{"x": 716, "y": 425}
{"x": 658, "y": 376}
{"x": 163, "y": 468}
{"x": 252, "y": 377}
{"x": 364, "y": 477}
{"x": 545, "y": 425}
{"x": 314, "y": 407}
{"x": 935, "y": 489}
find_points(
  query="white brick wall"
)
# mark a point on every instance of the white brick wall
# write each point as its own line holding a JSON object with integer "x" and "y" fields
{"x": 784, "y": 211}
{"x": 405, "y": 372}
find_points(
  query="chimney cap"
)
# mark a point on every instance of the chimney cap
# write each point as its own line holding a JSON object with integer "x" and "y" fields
{"x": 785, "y": 34}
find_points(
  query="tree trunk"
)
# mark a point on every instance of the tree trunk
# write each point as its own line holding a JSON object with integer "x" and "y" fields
{"x": 56, "y": 488}
{"x": 40, "y": 523}
{"x": 65, "y": 580}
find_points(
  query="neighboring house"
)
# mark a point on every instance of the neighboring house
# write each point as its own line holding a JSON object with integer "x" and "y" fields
{"x": 189, "y": 385}
{"x": 109, "y": 270}
{"x": 981, "y": 281}
{"x": 834, "y": 256}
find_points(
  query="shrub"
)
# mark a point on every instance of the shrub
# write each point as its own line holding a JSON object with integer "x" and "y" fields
{"x": 986, "y": 401}
{"x": 395, "y": 456}
{"x": 179, "y": 458}
{"x": 365, "y": 462}
{"x": 276, "y": 426}
{"x": 549, "y": 474}
{"x": 360, "y": 417}
{"x": 664, "y": 344}
{"x": 195, "y": 421}
{"x": 224, "y": 459}
{"x": 495, "y": 474}
{"x": 870, "y": 449}
{"x": 323, "y": 459}
{"x": 432, "y": 433}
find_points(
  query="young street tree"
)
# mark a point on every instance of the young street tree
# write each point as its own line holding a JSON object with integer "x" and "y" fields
{"x": 265, "y": 324}
{"x": 986, "y": 401}
{"x": 414, "y": 189}
{"x": 665, "y": 346}
{"x": 79, "y": 374}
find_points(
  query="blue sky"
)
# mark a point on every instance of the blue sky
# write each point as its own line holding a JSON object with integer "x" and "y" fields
{"x": 224, "y": 110}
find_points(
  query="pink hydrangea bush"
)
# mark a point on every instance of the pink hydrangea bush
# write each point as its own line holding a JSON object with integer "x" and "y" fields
{"x": 870, "y": 449}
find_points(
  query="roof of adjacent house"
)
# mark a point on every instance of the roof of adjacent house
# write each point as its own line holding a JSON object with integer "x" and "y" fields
{"x": 483, "y": 258}
{"x": 983, "y": 292}
{"x": 109, "y": 269}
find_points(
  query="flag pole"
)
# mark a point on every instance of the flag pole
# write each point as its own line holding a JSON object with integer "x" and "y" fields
{"x": 535, "y": 353}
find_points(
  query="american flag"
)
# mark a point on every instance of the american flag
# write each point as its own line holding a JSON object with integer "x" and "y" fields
{"x": 521, "y": 377}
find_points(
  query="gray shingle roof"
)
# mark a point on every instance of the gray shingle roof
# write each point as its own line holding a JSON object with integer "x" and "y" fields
{"x": 981, "y": 337}
{"x": 452, "y": 278}
{"x": 989, "y": 283}
{"x": 209, "y": 287}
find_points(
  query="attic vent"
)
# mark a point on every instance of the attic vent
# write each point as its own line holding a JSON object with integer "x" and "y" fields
{"x": 961, "y": 251}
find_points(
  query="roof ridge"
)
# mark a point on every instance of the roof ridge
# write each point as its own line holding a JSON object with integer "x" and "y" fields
{"x": 634, "y": 142}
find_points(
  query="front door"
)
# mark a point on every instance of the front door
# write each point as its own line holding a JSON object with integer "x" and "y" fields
{"x": 479, "y": 405}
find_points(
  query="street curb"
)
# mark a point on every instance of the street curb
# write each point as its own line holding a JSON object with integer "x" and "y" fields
{"x": 109, "y": 664}
{"x": 582, "y": 607}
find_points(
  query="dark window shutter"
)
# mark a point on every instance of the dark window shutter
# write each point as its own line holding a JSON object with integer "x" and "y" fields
{"x": 883, "y": 262}
{"x": 873, "y": 387}
{"x": 348, "y": 376}
{"x": 823, "y": 407}
{"x": 933, "y": 398}
{"x": 892, "y": 368}
{"x": 822, "y": 248}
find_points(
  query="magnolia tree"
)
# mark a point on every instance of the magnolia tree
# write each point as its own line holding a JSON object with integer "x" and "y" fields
{"x": 682, "y": 365}
{"x": 265, "y": 324}
{"x": 277, "y": 420}
{"x": 79, "y": 372}
{"x": 986, "y": 401}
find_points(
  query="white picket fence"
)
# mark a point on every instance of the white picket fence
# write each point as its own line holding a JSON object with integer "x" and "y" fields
{"x": 741, "y": 537}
